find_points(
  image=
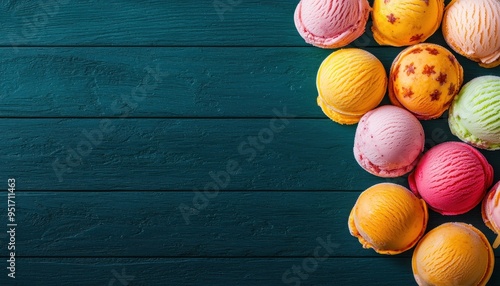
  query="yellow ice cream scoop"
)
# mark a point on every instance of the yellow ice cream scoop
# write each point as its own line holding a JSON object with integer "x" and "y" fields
{"x": 453, "y": 254}
{"x": 405, "y": 22}
{"x": 350, "y": 83}
{"x": 388, "y": 218}
{"x": 424, "y": 79}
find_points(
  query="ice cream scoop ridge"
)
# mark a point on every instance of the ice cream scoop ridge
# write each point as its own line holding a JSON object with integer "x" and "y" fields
{"x": 331, "y": 23}
{"x": 474, "y": 115}
{"x": 405, "y": 22}
{"x": 452, "y": 178}
{"x": 388, "y": 142}
{"x": 472, "y": 29}
{"x": 491, "y": 211}
{"x": 388, "y": 218}
{"x": 350, "y": 82}
{"x": 424, "y": 79}
{"x": 453, "y": 253}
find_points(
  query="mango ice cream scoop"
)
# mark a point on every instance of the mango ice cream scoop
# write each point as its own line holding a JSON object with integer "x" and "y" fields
{"x": 491, "y": 211}
{"x": 350, "y": 83}
{"x": 472, "y": 29}
{"x": 452, "y": 254}
{"x": 388, "y": 218}
{"x": 405, "y": 22}
{"x": 388, "y": 142}
{"x": 452, "y": 178}
{"x": 474, "y": 115}
{"x": 424, "y": 78}
{"x": 331, "y": 23}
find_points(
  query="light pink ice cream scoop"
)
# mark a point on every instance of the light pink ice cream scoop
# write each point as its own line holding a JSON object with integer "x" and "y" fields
{"x": 452, "y": 178}
{"x": 491, "y": 211}
{"x": 388, "y": 142}
{"x": 331, "y": 23}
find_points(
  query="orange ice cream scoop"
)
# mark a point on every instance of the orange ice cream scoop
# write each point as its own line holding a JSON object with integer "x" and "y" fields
{"x": 491, "y": 211}
{"x": 350, "y": 83}
{"x": 388, "y": 218}
{"x": 472, "y": 29}
{"x": 405, "y": 22}
{"x": 453, "y": 254}
{"x": 424, "y": 79}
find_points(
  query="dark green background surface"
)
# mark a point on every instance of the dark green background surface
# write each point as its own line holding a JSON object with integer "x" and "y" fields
{"x": 218, "y": 79}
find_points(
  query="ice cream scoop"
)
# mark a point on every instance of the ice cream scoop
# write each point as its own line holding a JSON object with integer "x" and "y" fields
{"x": 474, "y": 115}
{"x": 453, "y": 253}
{"x": 388, "y": 141}
{"x": 331, "y": 23}
{"x": 350, "y": 83}
{"x": 405, "y": 22}
{"x": 388, "y": 218}
{"x": 424, "y": 78}
{"x": 472, "y": 29}
{"x": 452, "y": 178}
{"x": 491, "y": 211}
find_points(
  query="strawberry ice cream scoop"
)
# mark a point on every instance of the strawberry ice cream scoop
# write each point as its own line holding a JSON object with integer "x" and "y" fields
{"x": 491, "y": 211}
{"x": 452, "y": 178}
{"x": 331, "y": 23}
{"x": 388, "y": 142}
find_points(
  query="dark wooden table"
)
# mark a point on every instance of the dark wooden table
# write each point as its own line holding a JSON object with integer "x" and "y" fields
{"x": 167, "y": 142}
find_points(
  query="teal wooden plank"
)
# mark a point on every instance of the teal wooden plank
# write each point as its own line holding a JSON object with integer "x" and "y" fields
{"x": 333, "y": 271}
{"x": 175, "y": 154}
{"x": 189, "y": 224}
{"x": 180, "y": 82}
{"x": 153, "y": 23}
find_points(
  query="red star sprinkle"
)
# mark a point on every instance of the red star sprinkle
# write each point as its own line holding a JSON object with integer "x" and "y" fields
{"x": 428, "y": 70}
{"x": 396, "y": 72}
{"x": 432, "y": 51}
{"x": 416, "y": 51}
{"x": 451, "y": 89}
{"x": 415, "y": 38}
{"x": 407, "y": 92}
{"x": 442, "y": 78}
{"x": 410, "y": 69}
{"x": 435, "y": 95}
{"x": 452, "y": 58}
{"x": 391, "y": 18}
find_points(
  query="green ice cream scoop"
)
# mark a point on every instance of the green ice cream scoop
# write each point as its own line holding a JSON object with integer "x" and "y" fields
{"x": 474, "y": 114}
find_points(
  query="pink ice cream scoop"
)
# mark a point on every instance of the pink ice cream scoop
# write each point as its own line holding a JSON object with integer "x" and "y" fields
{"x": 491, "y": 211}
{"x": 331, "y": 23}
{"x": 452, "y": 178}
{"x": 388, "y": 142}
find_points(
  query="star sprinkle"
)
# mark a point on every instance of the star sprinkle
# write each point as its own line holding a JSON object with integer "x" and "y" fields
{"x": 442, "y": 78}
{"x": 407, "y": 92}
{"x": 416, "y": 51}
{"x": 391, "y": 18}
{"x": 451, "y": 89}
{"x": 428, "y": 70}
{"x": 410, "y": 69}
{"x": 435, "y": 95}
{"x": 432, "y": 51}
{"x": 415, "y": 38}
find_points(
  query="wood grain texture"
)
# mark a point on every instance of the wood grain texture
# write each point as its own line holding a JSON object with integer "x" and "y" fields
{"x": 236, "y": 271}
{"x": 182, "y": 82}
{"x": 155, "y": 23}
{"x": 176, "y": 154}
{"x": 235, "y": 224}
